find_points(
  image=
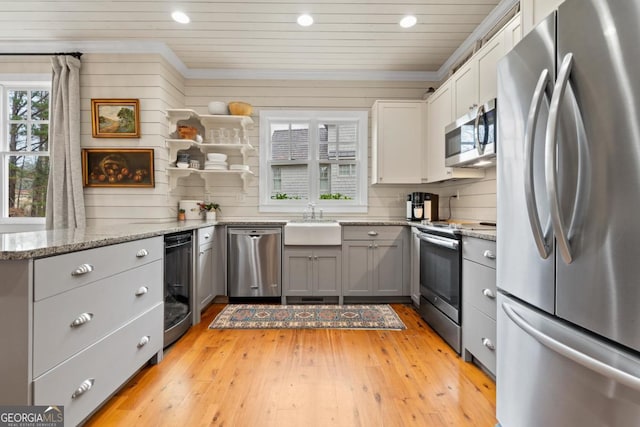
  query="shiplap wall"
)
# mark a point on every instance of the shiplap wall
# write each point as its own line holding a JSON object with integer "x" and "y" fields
{"x": 477, "y": 200}
{"x": 159, "y": 87}
{"x": 385, "y": 201}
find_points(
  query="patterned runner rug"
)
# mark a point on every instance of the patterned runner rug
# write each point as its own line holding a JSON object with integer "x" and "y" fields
{"x": 259, "y": 316}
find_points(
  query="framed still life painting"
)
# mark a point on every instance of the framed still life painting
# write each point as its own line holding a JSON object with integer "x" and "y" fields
{"x": 121, "y": 167}
{"x": 115, "y": 118}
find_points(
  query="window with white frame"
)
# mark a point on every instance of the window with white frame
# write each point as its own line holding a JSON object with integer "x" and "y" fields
{"x": 315, "y": 157}
{"x": 24, "y": 150}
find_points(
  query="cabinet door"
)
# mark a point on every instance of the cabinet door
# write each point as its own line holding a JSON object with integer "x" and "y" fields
{"x": 356, "y": 276}
{"x": 512, "y": 33}
{"x": 397, "y": 142}
{"x": 465, "y": 89}
{"x": 205, "y": 275}
{"x": 487, "y": 60}
{"x": 327, "y": 272}
{"x": 297, "y": 275}
{"x": 439, "y": 115}
{"x": 387, "y": 268}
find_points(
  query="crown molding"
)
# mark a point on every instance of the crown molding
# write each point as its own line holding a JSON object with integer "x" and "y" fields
{"x": 230, "y": 74}
{"x": 145, "y": 47}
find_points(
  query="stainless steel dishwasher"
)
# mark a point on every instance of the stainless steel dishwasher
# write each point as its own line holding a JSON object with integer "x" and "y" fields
{"x": 254, "y": 262}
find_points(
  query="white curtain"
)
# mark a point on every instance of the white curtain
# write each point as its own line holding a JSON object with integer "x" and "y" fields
{"x": 65, "y": 198}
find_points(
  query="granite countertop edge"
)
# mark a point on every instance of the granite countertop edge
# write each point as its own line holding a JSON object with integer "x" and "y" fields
{"x": 44, "y": 243}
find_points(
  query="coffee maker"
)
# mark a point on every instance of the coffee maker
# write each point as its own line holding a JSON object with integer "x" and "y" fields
{"x": 422, "y": 206}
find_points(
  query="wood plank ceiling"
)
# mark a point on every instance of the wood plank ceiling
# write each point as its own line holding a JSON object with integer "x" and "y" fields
{"x": 349, "y": 35}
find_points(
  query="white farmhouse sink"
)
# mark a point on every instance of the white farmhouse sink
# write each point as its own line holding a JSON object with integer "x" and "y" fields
{"x": 312, "y": 233}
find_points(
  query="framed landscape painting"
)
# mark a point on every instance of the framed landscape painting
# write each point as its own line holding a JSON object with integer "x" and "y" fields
{"x": 115, "y": 118}
{"x": 121, "y": 167}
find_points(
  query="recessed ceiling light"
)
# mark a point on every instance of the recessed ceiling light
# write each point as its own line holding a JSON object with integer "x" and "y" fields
{"x": 180, "y": 17}
{"x": 305, "y": 20}
{"x": 408, "y": 21}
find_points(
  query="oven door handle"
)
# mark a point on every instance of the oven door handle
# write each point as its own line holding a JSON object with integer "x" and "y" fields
{"x": 438, "y": 241}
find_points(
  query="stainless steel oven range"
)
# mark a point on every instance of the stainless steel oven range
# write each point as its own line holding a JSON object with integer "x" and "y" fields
{"x": 441, "y": 281}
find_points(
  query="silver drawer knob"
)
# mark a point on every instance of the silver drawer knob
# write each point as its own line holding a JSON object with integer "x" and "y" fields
{"x": 83, "y": 388}
{"x": 372, "y": 233}
{"x": 487, "y": 343}
{"x": 489, "y": 254}
{"x": 142, "y": 253}
{"x": 488, "y": 293}
{"x": 144, "y": 341}
{"x": 82, "y": 269}
{"x": 206, "y": 236}
{"x": 141, "y": 291}
{"x": 81, "y": 320}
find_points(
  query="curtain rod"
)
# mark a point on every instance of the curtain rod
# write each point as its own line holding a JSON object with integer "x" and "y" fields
{"x": 74, "y": 54}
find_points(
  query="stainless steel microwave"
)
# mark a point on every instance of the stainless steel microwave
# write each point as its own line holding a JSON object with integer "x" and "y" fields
{"x": 471, "y": 140}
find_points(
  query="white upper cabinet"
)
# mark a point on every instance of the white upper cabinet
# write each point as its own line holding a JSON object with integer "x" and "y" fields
{"x": 397, "y": 141}
{"x": 439, "y": 115}
{"x": 464, "y": 84}
{"x": 512, "y": 33}
{"x": 534, "y": 11}
{"x": 487, "y": 65}
{"x": 473, "y": 83}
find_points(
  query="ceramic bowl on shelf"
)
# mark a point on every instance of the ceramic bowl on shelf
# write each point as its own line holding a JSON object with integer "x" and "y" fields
{"x": 218, "y": 108}
{"x": 216, "y": 157}
{"x": 240, "y": 108}
{"x": 182, "y": 165}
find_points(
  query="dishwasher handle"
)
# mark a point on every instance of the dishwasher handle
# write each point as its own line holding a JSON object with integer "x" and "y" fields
{"x": 253, "y": 232}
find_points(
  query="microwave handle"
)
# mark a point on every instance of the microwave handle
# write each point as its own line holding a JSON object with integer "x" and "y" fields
{"x": 480, "y": 116}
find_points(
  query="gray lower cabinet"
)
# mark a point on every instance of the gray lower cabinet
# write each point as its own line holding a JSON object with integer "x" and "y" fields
{"x": 82, "y": 323}
{"x": 312, "y": 271}
{"x": 205, "y": 273}
{"x": 479, "y": 302}
{"x": 376, "y": 261}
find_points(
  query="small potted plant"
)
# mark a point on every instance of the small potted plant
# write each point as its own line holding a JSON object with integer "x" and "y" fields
{"x": 181, "y": 215}
{"x": 210, "y": 209}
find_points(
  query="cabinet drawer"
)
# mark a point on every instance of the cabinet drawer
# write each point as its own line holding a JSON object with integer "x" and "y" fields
{"x": 111, "y": 302}
{"x": 55, "y": 274}
{"x": 480, "y": 251}
{"x": 479, "y": 287}
{"x": 362, "y": 232}
{"x": 109, "y": 363}
{"x": 205, "y": 235}
{"x": 476, "y": 328}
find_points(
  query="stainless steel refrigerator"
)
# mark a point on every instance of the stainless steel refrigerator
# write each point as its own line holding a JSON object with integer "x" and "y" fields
{"x": 568, "y": 220}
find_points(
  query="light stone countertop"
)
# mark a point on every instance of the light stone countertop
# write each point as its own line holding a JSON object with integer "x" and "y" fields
{"x": 37, "y": 244}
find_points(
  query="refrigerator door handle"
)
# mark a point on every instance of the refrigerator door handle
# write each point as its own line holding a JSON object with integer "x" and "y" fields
{"x": 571, "y": 353}
{"x": 551, "y": 144}
{"x": 541, "y": 239}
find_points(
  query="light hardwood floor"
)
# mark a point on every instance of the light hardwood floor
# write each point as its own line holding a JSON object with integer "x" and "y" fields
{"x": 324, "y": 377}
